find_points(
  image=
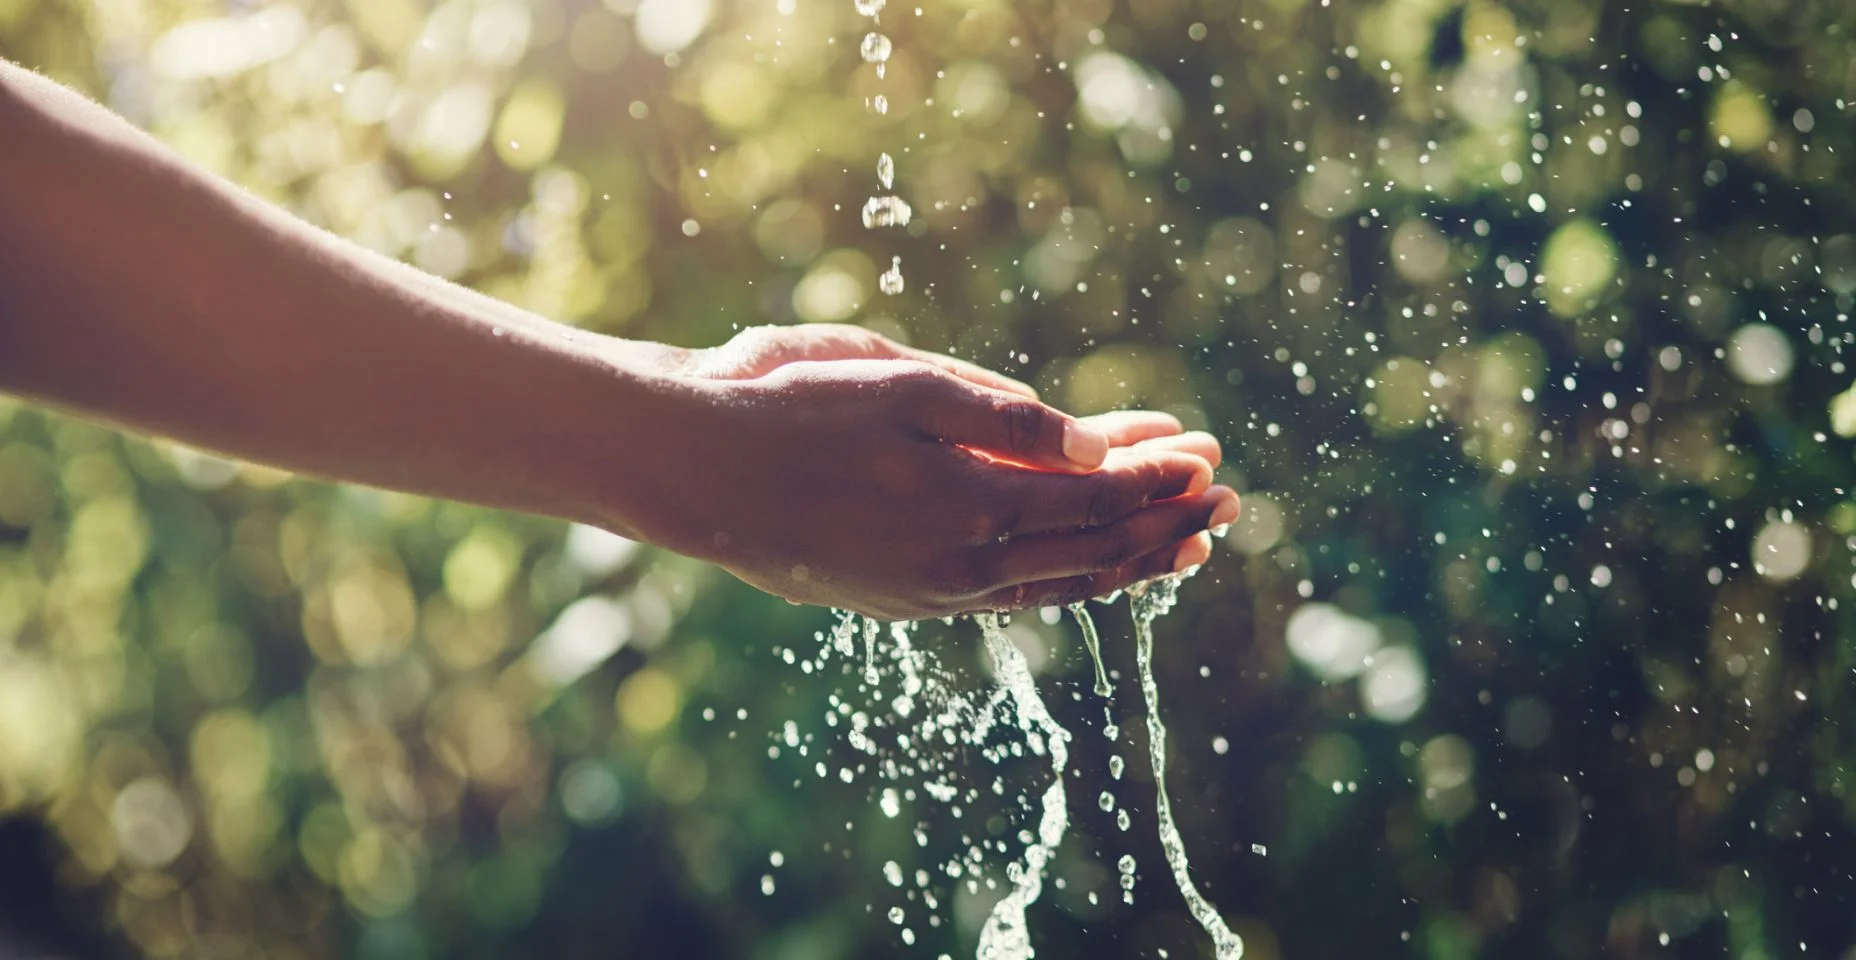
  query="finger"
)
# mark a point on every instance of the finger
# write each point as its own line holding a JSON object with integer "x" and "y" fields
{"x": 1052, "y": 556}
{"x": 1007, "y": 425}
{"x": 1170, "y": 559}
{"x": 970, "y": 372}
{"x": 1128, "y": 427}
{"x": 1049, "y": 502}
{"x": 1201, "y": 445}
{"x": 1195, "y": 552}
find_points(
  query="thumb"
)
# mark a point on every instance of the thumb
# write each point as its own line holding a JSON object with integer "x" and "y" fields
{"x": 1009, "y": 426}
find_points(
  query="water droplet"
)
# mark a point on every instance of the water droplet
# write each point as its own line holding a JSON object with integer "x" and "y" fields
{"x": 891, "y": 281}
{"x": 886, "y": 212}
{"x": 876, "y": 48}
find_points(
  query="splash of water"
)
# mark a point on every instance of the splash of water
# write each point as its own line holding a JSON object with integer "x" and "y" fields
{"x": 1007, "y": 934}
{"x": 915, "y": 744}
{"x": 1149, "y": 603}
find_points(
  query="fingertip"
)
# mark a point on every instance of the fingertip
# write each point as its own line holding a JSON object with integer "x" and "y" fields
{"x": 1228, "y": 509}
{"x": 1203, "y": 445}
{"x": 1201, "y": 479}
{"x": 1193, "y": 553}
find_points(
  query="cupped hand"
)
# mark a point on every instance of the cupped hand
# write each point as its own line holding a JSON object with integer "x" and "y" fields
{"x": 758, "y": 351}
{"x": 876, "y": 485}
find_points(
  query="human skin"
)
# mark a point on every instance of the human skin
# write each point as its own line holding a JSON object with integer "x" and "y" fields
{"x": 822, "y": 463}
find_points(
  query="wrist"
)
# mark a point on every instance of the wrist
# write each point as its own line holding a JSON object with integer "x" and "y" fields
{"x": 639, "y": 422}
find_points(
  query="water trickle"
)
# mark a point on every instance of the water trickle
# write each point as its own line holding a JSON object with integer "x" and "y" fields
{"x": 871, "y": 627}
{"x": 843, "y": 633}
{"x": 1092, "y": 640}
{"x": 1150, "y": 602}
{"x": 1006, "y": 935}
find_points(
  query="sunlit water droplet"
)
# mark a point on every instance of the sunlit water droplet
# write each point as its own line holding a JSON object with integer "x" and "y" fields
{"x": 875, "y": 48}
{"x": 891, "y": 281}
{"x": 886, "y": 212}
{"x": 886, "y": 171}
{"x": 869, "y": 8}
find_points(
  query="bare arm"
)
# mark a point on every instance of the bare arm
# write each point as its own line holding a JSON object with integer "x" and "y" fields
{"x": 823, "y": 464}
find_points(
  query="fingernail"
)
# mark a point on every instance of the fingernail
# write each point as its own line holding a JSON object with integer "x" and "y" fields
{"x": 1226, "y": 514}
{"x": 1085, "y": 446}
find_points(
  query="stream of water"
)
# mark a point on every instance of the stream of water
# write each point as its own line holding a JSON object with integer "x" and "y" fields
{"x": 1007, "y": 933}
{"x": 931, "y": 716}
{"x": 1151, "y": 601}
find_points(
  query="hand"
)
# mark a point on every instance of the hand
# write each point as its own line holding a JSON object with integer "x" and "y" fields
{"x": 758, "y": 351}
{"x": 855, "y": 483}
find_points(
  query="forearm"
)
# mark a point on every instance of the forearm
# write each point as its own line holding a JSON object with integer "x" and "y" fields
{"x": 136, "y": 289}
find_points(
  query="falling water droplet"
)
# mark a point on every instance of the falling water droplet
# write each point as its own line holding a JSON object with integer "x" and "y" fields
{"x": 891, "y": 281}
{"x": 876, "y": 48}
{"x": 886, "y": 171}
{"x": 886, "y": 212}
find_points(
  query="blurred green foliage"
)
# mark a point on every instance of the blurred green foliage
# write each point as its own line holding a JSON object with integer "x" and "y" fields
{"x": 1523, "y": 323}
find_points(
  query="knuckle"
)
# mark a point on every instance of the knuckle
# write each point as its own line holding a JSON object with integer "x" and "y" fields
{"x": 1024, "y": 425}
{"x": 1109, "y": 502}
{"x": 967, "y": 575}
{"x": 755, "y": 341}
{"x": 1116, "y": 548}
{"x": 1004, "y": 518}
{"x": 918, "y": 383}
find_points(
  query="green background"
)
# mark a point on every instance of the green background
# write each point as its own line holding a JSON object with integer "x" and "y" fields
{"x": 1523, "y": 324}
